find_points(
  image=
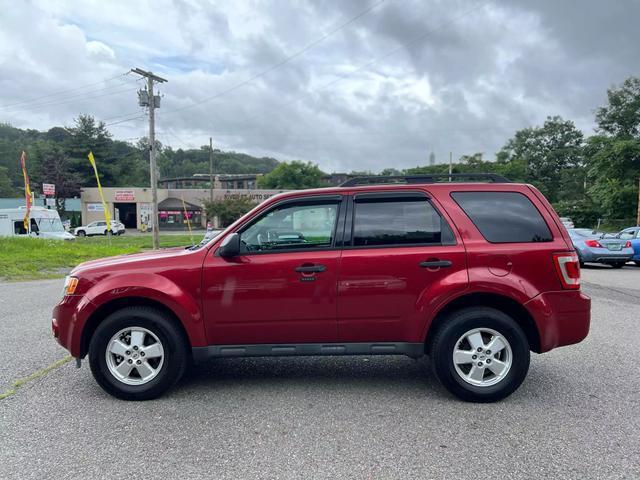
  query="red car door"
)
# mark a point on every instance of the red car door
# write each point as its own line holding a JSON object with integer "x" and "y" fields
{"x": 400, "y": 260}
{"x": 282, "y": 287}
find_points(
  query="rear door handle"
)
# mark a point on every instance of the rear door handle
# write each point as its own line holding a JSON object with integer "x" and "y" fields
{"x": 435, "y": 264}
{"x": 310, "y": 268}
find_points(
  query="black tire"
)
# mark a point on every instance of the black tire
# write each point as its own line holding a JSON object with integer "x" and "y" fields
{"x": 618, "y": 264}
{"x": 637, "y": 262}
{"x": 174, "y": 343}
{"x": 82, "y": 233}
{"x": 455, "y": 326}
{"x": 106, "y": 232}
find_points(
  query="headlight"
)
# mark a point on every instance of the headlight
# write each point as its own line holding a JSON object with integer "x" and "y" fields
{"x": 70, "y": 285}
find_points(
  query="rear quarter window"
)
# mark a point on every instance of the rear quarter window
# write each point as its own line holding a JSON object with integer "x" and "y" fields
{"x": 504, "y": 217}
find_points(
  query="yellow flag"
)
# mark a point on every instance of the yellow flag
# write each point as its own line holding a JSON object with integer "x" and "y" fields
{"x": 107, "y": 215}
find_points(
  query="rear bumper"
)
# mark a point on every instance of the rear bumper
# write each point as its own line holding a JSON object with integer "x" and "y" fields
{"x": 603, "y": 255}
{"x": 563, "y": 317}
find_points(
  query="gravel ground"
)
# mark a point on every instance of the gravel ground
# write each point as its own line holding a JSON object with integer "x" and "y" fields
{"x": 576, "y": 415}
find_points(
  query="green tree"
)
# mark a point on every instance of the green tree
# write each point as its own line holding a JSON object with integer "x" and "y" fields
{"x": 293, "y": 176}
{"x": 228, "y": 210}
{"x": 6, "y": 188}
{"x": 546, "y": 152}
{"x": 613, "y": 157}
{"x": 621, "y": 116}
{"x": 54, "y": 167}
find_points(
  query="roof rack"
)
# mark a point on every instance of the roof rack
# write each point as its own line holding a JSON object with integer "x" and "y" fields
{"x": 428, "y": 178}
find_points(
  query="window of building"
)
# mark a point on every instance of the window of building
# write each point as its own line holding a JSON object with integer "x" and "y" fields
{"x": 410, "y": 221}
{"x": 504, "y": 217}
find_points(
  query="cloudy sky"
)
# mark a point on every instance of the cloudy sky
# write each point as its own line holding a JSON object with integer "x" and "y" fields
{"x": 350, "y": 85}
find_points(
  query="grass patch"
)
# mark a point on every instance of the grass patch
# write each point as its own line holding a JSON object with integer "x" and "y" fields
{"x": 40, "y": 373}
{"x": 34, "y": 258}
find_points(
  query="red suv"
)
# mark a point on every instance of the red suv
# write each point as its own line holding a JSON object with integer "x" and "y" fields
{"x": 475, "y": 275}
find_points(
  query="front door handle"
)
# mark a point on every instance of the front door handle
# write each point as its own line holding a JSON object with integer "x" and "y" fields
{"x": 436, "y": 264}
{"x": 307, "y": 268}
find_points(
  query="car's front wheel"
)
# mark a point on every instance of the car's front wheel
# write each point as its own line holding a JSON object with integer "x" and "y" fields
{"x": 138, "y": 353}
{"x": 82, "y": 233}
{"x": 480, "y": 354}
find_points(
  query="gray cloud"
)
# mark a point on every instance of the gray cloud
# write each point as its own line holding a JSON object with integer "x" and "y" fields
{"x": 478, "y": 73}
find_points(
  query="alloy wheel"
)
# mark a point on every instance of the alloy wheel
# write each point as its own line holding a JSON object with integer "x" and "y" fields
{"x": 482, "y": 357}
{"x": 134, "y": 356}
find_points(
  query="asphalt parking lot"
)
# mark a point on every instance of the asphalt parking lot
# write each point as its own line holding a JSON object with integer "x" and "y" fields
{"x": 576, "y": 415}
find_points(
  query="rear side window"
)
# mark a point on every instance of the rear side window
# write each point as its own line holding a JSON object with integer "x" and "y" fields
{"x": 504, "y": 217}
{"x": 389, "y": 222}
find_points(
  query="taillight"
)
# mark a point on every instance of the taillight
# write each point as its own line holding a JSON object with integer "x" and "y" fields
{"x": 568, "y": 269}
{"x": 628, "y": 244}
{"x": 593, "y": 243}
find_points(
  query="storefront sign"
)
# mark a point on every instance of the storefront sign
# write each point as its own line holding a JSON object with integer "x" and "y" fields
{"x": 48, "y": 189}
{"x": 124, "y": 196}
{"x": 95, "y": 207}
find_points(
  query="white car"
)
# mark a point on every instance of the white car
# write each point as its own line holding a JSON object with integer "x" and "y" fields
{"x": 99, "y": 228}
{"x": 567, "y": 222}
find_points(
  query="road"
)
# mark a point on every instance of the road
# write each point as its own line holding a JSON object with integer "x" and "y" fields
{"x": 576, "y": 415}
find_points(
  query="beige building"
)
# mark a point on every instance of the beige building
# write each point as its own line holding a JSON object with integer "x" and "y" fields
{"x": 132, "y": 206}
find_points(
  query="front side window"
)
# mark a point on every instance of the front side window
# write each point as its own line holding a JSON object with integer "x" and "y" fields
{"x": 504, "y": 217}
{"x": 390, "y": 222}
{"x": 289, "y": 227}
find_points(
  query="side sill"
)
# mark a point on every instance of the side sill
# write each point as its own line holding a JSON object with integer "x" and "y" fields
{"x": 413, "y": 350}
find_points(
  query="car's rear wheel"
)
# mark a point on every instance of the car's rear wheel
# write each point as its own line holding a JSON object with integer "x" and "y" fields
{"x": 637, "y": 262}
{"x": 618, "y": 264}
{"x": 82, "y": 233}
{"x": 480, "y": 354}
{"x": 138, "y": 353}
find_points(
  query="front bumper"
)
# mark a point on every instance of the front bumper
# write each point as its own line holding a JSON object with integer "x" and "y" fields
{"x": 67, "y": 320}
{"x": 562, "y": 317}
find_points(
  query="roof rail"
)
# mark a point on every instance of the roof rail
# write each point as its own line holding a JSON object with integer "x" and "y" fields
{"x": 426, "y": 178}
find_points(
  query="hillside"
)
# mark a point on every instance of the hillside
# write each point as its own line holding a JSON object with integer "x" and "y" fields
{"x": 59, "y": 156}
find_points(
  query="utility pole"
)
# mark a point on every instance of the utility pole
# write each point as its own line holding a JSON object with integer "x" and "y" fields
{"x": 210, "y": 169}
{"x": 450, "y": 165}
{"x": 152, "y": 102}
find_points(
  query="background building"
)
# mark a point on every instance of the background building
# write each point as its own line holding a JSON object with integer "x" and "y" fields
{"x": 132, "y": 206}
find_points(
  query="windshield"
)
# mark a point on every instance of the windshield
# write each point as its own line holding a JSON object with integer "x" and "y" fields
{"x": 50, "y": 225}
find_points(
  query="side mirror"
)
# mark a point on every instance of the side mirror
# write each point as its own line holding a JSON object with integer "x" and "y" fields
{"x": 230, "y": 246}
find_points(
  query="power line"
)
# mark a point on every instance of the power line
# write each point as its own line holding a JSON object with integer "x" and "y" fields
{"x": 125, "y": 120}
{"x": 65, "y": 91}
{"x": 79, "y": 97}
{"x": 277, "y": 65}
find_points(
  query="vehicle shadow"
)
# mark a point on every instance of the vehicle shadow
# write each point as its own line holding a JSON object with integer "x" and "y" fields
{"x": 310, "y": 373}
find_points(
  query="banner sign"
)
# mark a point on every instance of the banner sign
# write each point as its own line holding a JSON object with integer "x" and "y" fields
{"x": 50, "y": 202}
{"x": 48, "y": 189}
{"x": 95, "y": 207}
{"x": 124, "y": 196}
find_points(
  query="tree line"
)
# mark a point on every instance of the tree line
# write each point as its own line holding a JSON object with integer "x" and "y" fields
{"x": 59, "y": 156}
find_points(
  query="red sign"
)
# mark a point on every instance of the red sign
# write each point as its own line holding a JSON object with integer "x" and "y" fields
{"x": 125, "y": 196}
{"x": 48, "y": 189}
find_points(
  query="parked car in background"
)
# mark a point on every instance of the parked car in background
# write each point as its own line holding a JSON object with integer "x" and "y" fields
{"x": 567, "y": 222}
{"x": 99, "y": 228}
{"x": 598, "y": 247}
{"x": 632, "y": 234}
{"x": 474, "y": 275}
